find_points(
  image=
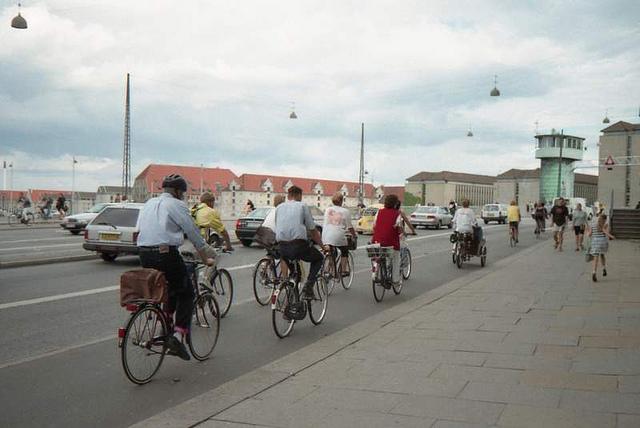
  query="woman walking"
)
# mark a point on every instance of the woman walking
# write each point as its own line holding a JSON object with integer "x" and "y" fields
{"x": 600, "y": 236}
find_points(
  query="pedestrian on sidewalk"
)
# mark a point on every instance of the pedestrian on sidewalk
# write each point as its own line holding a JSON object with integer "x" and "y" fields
{"x": 599, "y": 233}
{"x": 579, "y": 225}
{"x": 559, "y": 216}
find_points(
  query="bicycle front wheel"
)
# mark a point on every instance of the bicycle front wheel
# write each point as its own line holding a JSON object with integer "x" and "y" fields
{"x": 143, "y": 347}
{"x": 347, "y": 280}
{"x": 405, "y": 263}
{"x": 264, "y": 278}
{"x": 222, "y": 288}
{"x": 205, "y": 327}
{"x": 318, "y": 306}
{"x": 280, "y": 300}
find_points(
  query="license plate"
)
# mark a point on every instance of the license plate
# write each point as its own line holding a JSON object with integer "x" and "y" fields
{"x": 254, "y": 223}
{"x": 492, "y": 215}
{"x": 105, "y": 236}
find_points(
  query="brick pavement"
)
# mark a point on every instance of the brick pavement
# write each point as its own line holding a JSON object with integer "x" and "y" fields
{"x": 528, "y": 342}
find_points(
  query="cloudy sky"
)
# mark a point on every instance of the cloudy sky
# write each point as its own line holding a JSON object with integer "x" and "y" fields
{"x": 213, "y": 83}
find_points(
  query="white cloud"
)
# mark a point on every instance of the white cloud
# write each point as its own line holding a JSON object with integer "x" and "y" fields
{"x": 213, "y": 80}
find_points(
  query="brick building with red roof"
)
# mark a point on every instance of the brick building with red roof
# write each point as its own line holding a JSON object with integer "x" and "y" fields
{"x": 261, "y": 188}
{"x": 199, "y": 179}
{"x": 233, "y": 191}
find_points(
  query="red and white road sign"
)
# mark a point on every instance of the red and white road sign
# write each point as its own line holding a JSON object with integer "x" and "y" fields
{"x": 609, "y": 161}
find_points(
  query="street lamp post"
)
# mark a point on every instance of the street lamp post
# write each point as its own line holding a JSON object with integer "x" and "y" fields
{"x": 73, "y": 185}
{"x": 560, "y": 163}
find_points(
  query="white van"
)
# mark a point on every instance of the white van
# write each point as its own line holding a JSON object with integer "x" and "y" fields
{"x": 494, "y": 212}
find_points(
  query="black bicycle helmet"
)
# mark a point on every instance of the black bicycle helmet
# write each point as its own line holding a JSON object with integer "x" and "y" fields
{"x": 174, "y": 181}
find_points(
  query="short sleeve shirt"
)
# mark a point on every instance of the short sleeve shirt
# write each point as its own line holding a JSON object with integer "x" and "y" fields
{"x": 293, "y": 220}
{"x": 579, "y": 218}
{"x": 559, "y": 214}
{"x": 337, "y": 220}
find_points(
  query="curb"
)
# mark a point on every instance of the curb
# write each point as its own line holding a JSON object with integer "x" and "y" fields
{"x": 207, "y": 405}
{"x": 33, "y": 226}
{"x": 52, "y": 260}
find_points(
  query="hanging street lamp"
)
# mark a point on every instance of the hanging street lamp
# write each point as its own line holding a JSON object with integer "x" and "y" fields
{"x": 495, "y": 92}
{"x": 18, "y": 21}
{"x": 469, "y": 133}
{"x": 606, "y": 117}
{"x": 293, "y": 114}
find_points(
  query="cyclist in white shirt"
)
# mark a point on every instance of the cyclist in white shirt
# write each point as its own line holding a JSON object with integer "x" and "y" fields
{"x": 337, "y": 222}
{"x": 464, "y": 219}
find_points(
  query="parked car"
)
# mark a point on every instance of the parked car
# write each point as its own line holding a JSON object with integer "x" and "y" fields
{"x": 114, "y": 231}
{"x": 77, "y": 222}
{"x": 247, "y": 226}
{"x": 430, "y": 216}
{"x": 494, "y": 212}
{"x": 365, "y": 222}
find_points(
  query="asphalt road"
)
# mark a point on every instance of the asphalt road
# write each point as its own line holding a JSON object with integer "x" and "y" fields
{"x": 22, "y": 243}
{"x": 59, "y": 360}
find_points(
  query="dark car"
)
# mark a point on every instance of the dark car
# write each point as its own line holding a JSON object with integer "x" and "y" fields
{"x": 246, "y": 226}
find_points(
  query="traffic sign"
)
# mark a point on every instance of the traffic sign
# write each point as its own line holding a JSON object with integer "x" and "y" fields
{"x": 609, "y": 162}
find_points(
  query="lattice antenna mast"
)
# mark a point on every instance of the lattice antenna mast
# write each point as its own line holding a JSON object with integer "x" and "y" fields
{"x": 126, "y": 155}
{"x": 361, "y": 175}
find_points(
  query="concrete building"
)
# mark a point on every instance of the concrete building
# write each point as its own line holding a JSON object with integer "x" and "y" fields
{"x": 441, "y": 187}
{"x": 523, "y": 186}
{"x": 586, "y": 186}
{"x": 110, "y": 193}
{"x": 619, "y": 184}
{"x": 557, "y": 153}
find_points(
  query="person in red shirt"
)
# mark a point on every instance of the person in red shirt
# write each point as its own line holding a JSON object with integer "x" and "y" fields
{"x": 387, "y": 229}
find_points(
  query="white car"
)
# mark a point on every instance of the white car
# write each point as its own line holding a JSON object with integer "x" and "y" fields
{"x": 77, "y": 222}
{"x": 494, "y": 212}
{"x": 114, "y": 231}
{"x": 428, "y": 216}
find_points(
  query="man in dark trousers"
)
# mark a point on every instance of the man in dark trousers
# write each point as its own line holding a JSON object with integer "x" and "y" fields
{"x": 559, "y": 217}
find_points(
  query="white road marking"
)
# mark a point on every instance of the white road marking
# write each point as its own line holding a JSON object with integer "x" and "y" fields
{"x": 33, "y": 247}
{"x": 57, "y": 351}
{"x": 58, "y": 297}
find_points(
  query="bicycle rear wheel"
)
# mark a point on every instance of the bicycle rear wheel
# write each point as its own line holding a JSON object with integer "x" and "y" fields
{"x": 328, "y": 273}
{"x": 205, "y": 327}
{"x": 143, "y": 346}
{"x": 318, "y": 306}
{"x": 405, "y": 263}
{"x": 376, "y": 282}
{"x": 264, "y": 279}
{"x": 222, "y": 287}
{"x": 280, "y": 300}
{"x": 348, "y": 280}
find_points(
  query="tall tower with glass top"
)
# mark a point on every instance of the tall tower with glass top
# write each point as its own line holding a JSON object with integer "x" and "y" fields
{"x": 557, "y": 153}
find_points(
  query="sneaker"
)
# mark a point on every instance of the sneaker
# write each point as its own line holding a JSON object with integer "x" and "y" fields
{"x": 177, "y": 348}
{"x": 604, "y": 272}
{"x": 307, "y": 292}
{"x": 346, "y": 274}
{"x": 594, "y": 278}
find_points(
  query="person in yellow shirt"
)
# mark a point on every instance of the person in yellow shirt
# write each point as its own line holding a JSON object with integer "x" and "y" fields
{"x": 208, "y": 219}
{"x": 513, "y": 216}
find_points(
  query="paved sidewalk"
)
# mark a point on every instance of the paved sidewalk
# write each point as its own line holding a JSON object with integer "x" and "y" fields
{"x": 529, "y": 341}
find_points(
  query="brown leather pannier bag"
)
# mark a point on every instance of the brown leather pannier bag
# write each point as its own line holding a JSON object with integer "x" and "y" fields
{"x": 146, "y": 284}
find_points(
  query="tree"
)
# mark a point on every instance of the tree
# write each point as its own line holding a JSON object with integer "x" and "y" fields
{"x": 410, "y": 199}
